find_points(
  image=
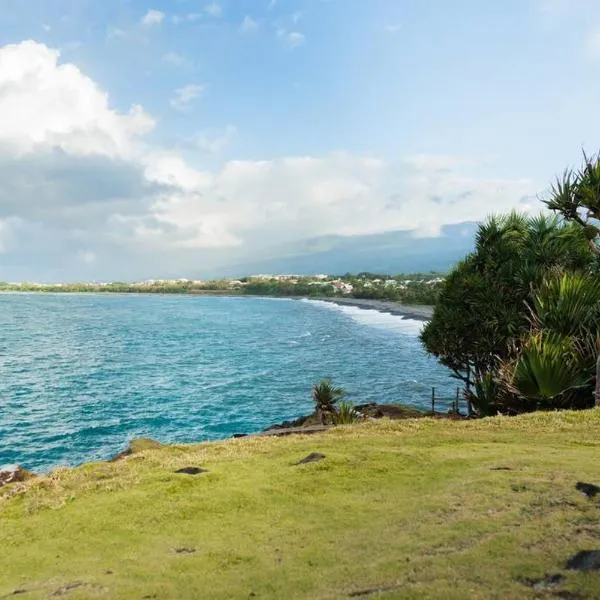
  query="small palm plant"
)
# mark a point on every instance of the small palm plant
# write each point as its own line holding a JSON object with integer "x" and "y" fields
{"x": 345, "y": 414}
{"x": 326, "y": 396}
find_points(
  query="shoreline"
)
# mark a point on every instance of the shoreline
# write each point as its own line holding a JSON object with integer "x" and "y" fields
{"x": 417, "y": 313}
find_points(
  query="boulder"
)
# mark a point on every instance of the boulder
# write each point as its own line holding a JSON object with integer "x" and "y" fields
{"x": 14, "y": 474}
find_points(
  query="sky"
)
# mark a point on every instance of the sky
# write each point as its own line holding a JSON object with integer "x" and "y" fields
{"x": 171, "y": 138}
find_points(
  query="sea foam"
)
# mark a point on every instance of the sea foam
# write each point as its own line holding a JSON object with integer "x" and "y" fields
{"x": 374, "y": 318}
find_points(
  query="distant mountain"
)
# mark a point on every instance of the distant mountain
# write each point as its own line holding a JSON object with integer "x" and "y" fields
{"x": 393, "y": 252}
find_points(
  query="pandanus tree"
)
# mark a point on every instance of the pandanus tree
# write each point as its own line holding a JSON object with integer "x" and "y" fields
{"x": 576, "y": 196}
{"x": 553, "y": 366}
{"x": 482, "y": 315}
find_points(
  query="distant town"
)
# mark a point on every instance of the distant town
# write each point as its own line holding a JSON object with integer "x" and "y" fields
{"x": 415, "y": 288}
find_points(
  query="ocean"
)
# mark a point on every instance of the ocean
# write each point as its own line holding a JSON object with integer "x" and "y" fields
{"x": 82, "y": 374}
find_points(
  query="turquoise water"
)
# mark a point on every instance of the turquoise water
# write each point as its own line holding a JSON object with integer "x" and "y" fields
{"x": 80, "y": 375}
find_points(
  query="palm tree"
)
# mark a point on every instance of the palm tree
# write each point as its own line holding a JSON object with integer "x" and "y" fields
{"x": 325, "y": 396}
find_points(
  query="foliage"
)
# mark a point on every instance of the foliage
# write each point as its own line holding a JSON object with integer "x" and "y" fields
{"x": 345, "y": 413}
{"x": 576, "y": 196}
{"x": 554, "y": 366}
{"x": 325, "y": 397}
{"x": 416, "y": 288}
{"x": 489, "y": 305}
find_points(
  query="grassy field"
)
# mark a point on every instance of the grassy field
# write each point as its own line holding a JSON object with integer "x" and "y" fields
{"x": 397, "y": 509}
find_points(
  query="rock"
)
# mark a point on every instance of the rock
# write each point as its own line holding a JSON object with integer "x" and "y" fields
{"x": 191, "y": 470}
{"x": 546, "y": 583}
{"x": 14, "y": 474}
{"x": 312, "y": 457}
{"x": 586, "y": 560}
{"x": 185, "y": 550}
{"x": 589, "y": 489}
{"x": 135, "y": 446}
{"x": 240, "y": 435}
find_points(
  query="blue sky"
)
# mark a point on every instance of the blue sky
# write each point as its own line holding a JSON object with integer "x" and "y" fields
{"x": 265, "y": 122}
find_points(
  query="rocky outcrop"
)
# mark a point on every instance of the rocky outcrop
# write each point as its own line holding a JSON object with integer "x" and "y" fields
{"x": 135, "y": 446}
{"x": 14, "y": 474}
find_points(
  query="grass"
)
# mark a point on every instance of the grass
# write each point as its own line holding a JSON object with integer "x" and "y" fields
{"x": 414, "y": 509}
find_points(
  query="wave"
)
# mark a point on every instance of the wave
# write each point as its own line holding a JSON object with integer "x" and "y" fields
{"x": 374, "y": 318}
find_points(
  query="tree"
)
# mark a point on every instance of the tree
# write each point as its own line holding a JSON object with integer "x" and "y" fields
{"x": 482, "y": 312}
{"x": 554, "y": 365}
{"x": 325, "y": 396}
{"x": 576, "y": 196}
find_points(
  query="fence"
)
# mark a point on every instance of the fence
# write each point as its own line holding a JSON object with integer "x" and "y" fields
{"x": 445, "y": 406}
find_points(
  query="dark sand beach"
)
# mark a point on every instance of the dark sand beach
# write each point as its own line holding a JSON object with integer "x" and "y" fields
{"x": 419, "y": 313}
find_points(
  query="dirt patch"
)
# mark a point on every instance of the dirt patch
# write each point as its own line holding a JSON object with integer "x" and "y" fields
{"x": 191, "y": 470}
{"x": 185, "y": 550}
{"x": 312, "y": 457}
{"x": 372, "y": 591}
{"x": 66, "y": 589}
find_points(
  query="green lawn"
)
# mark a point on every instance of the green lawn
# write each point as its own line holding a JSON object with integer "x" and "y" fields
{"x": 416, "y": 508}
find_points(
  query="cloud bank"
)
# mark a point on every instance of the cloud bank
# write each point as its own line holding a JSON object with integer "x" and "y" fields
{"x": 86, "y": 195}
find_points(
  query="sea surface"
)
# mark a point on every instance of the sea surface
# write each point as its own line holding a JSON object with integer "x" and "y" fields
{"x": 82, "y": 374}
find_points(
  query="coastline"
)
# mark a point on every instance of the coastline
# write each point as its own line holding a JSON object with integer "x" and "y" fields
{"x": 418, "y": 313}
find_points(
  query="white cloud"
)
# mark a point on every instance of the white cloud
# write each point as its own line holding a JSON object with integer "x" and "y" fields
{"x": 213, "y": 9}
{"x": 80, "y": 181}
{"x": 248, "y": 25}
{"x": 152, "y": 17}
{"x": 175, "y": 59}
{"x": 214, "y": 142}
{"x": 45, "y": 103}
{"x": 292, "y": 39}
{"x": 46, "y": 27}
{"x": 177, "y": 19}
{"x": 299, "y": 197}
{"x": 185, "y": 95}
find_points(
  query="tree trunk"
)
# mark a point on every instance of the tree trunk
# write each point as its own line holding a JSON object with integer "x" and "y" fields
{"x": 597, "y": 393}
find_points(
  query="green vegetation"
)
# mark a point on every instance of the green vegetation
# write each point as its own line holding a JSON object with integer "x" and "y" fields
{"x": 325, "y": 397}
{"x": 518, "y": 320}
{"x": 408, "y": 289}
{"x": 345, "y": 413}
{"x": 420, "y": 508}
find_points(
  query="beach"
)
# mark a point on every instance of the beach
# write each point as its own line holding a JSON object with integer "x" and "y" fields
{"x": 418, "y": 313}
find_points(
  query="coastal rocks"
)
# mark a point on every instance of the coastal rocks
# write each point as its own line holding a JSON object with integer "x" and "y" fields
{"x": 14, "y": 474}
{"x": 135, "y": 446}
{"x": 589, "y": 489}
{"x": 312, "y": 457}
{"x": 191, "y": 470}
{"x": 305, "y": 421}
{"x": 586, "y": 560}
{"x": 313, "y": 423}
